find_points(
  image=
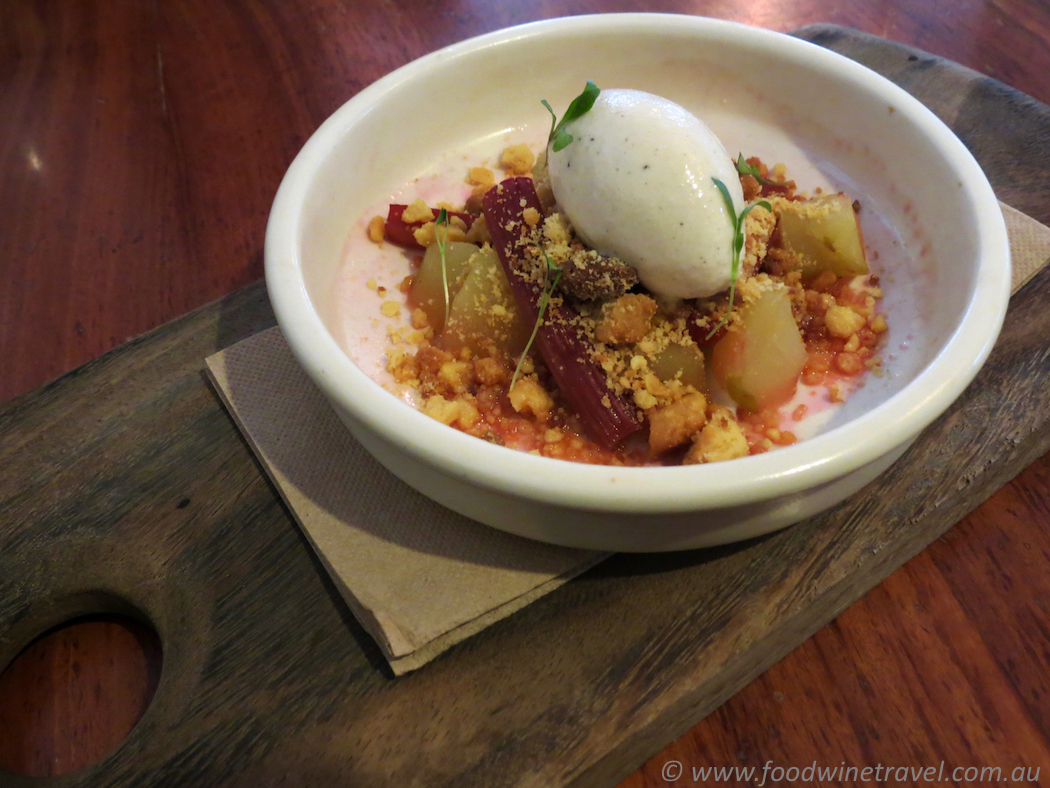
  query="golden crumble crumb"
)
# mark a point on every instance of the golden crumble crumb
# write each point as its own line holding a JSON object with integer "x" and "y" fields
{"x": 843, "y": 321}
{"x": 427, "y": 234}
{"x": 377, "y": 229}
{"x": 721, "y": 439}
{"x": 878, "y": 325}
{"x": 674, "y": 424}
{"x": 557, "y": 229}
{"x": 419, "y": 318}
{"x": 627, "y": 320}
{"x": 395, "y": 357}
{"x": 867, "y": 310}
{"x": 528, "y": 396}
{"x": 517, "y": 159}
{"x": 645, "y": 399}
{"x": 531, "y": 216}
{"x": 489, "y": 372}
{"x": 557, "y": 233}
{"x": 371, "y": 284}
{"x": 655, "y": 386}
{"x": 818, "y": 303}
{"x": 457, "y": 411}
{"x": 759, "y": 226}
{"x": 417, "y": 212}
{"x": 481, "y": 176}
{"x": 849, "y": 363}
{"x": 457, "y": 375}
{"x": 390, "y": 308}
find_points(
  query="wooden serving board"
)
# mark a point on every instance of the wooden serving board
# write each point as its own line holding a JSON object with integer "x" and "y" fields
{"x": 127, "y": 488}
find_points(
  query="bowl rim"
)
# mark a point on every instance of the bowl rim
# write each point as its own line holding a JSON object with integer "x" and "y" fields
{"x": 786, "y": 471}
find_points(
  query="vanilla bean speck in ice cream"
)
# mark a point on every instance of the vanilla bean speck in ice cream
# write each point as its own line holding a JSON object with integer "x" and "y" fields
{"x": 637, "y": 183}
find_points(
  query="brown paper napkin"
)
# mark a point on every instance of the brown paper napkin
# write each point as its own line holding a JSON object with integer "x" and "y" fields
{"x": 1029, "y": 245}
{"x": 418, "y": 577}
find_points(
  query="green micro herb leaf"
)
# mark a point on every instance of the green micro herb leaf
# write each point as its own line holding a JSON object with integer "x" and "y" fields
{"x": 443, "y": 220}
{"x": 749, "y": 169}
{"x": 548, "y": 292}
{"x": 579, "y": 106}
{"x": 738, "y": 244}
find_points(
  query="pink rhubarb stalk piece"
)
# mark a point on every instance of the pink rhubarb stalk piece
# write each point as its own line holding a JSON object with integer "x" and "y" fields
{"x": 606, "y": 415}
{"x": 402, "y": 233}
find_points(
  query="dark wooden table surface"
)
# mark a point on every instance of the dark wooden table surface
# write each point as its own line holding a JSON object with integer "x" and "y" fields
{"x": 141, "y": 145}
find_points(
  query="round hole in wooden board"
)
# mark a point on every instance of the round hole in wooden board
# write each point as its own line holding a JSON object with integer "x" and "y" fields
{"x": 75, "y": 692}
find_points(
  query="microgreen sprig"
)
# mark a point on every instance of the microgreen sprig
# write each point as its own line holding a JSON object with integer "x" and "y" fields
{"x": 738, "y": 244}
{"x": 548, "y": 292}
{"x": 749, "y": 169}
{"x": 443, "y": 220}
{"x": 579, "y": 106}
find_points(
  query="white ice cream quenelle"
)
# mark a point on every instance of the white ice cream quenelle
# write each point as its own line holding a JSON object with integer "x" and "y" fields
{"x": 636, "y": 183}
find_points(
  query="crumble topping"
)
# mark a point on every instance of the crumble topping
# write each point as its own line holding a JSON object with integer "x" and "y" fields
{"x": 651, "y": 349}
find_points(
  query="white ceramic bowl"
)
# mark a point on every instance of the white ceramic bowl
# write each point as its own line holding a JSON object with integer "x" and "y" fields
{"x": 929, "y": 213}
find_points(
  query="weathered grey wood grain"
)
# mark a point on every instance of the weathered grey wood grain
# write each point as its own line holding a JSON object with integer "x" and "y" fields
{"x": 1007, "y": 131}
{"x": 127, "y": 488}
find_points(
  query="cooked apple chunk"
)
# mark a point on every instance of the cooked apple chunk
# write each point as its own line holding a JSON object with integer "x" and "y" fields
{"x": 428, "y": 288}
{"x": 826, "y": 233}
{"x": 484, "y": 312}
{"x": 681, "y": 362}
{"x": 759, "y": 360}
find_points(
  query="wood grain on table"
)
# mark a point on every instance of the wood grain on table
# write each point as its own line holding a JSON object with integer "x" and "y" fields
{"x": 141, "y": 146}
